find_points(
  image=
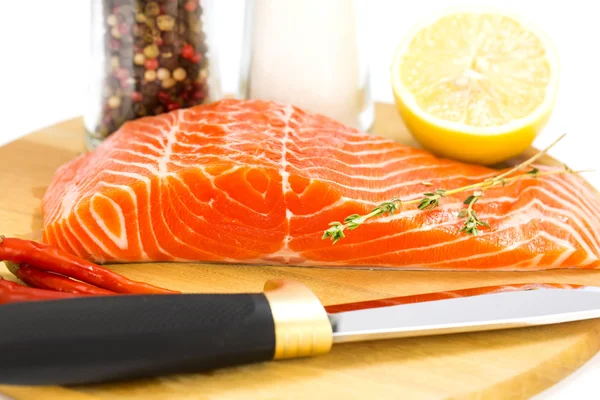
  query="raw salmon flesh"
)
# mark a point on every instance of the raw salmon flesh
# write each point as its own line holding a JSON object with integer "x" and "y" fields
{"x": 258, "y": 182}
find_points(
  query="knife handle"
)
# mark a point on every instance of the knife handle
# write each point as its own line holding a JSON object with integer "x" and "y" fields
{"x": 111, "y": 338}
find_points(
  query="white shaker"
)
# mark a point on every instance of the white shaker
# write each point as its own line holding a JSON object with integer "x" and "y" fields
{"x": 309, "y": 53}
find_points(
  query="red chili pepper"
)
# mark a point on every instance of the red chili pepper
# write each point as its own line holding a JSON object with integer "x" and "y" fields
{"x": 48, "y": 280}
{"x": 48, "y": 258}
{"x": 11, "y": 292}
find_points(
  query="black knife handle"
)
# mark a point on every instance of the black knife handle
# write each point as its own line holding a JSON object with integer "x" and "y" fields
{"x": 111, "y": 338}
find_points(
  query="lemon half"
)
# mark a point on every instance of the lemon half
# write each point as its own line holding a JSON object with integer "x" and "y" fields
{"x": 476, "y": 85}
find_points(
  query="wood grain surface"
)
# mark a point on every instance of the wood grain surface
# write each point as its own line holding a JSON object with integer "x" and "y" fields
{"x": 513, "y": 364}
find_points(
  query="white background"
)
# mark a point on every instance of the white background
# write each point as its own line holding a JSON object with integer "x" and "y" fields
{"x": 45, "y": 50}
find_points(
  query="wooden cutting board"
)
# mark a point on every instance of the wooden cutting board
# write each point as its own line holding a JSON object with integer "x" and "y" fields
{"x": 514, "y": 364}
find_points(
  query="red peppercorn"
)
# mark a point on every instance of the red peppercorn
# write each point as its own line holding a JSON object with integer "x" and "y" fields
{"x": 198, "y": 94}
{"x": 173, "y": 106}
{"x": 187, "y": 51}
{"x": 151, "y": 63}
{"x": 196, "y": 58}
{"x": 191, "y": 5}
{"x": 163, "y": 97}
{"x": 136, "y": 97}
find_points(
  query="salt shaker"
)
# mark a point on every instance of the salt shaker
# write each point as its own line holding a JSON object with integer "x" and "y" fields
{"x": 310, "y": 53}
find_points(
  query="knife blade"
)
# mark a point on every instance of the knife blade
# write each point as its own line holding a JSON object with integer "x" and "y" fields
{"x": 113, "y": 338}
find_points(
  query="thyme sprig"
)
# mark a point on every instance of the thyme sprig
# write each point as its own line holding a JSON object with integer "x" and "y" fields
{"x": 472, "y": 221}
{"x": 431, "y": 199}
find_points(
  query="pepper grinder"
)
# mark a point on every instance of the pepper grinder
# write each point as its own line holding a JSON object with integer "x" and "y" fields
{"x": 310, "y": 53}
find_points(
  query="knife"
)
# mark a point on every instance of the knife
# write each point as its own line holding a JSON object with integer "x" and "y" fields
{"x": 112, "y": 338}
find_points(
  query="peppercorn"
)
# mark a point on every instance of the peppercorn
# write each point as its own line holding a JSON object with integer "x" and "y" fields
{"x": 151, "y": 51}
{"x": 156, "y": 54}
{"x": 150, "y": 75}
{"x": 163, "y": 74}
{"x": 168, "y": 83}
{"x": 202, "y": 75}
{"x": 165, "y": 22}
{"x": 187, "y": 51}
{"x": 173, "y": 106}
{"x": 114, "y": 102}
{"x": 191, "y": 5}
{"x": 152, "y": 9}
{"x": 151, "y": 64}
{"x": 196, "y": 58}
{"x": 111, "y": 20}
{"x": 114, "y": 62}
{"x": 115, "y": 32}
{"x": 163, "y": 97}
{"x": 139, "y": 59}
{"x": 179, "y": 74}
{"x": 136, "y": 97}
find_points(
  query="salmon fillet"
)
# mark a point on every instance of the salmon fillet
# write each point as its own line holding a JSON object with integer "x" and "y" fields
{"x": 258, "y": 182}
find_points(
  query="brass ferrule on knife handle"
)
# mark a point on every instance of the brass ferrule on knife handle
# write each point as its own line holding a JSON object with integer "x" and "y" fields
{"x": 302, "y": 327}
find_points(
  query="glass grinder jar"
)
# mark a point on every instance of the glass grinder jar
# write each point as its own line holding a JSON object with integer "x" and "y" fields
{"x": 147, "y": 57}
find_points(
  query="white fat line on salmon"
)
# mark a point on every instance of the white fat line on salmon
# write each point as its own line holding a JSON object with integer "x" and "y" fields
{"x": 288, "y": 113}
{"x": 120, "y": 241}
{"x": 148, "y": 146}
{"x": 136, "y": 220}
{"x": 148, "y": 137}
{"x": 397, "y": 173}
{"x": 388, "y": 188}
{"x": 231, "y": 155}
{"x": 90, "y": 235}
{"x": 148, "y": 167}
{"x": 525, "y": 265}
{"x": 318, "y": 137}
{"x": 70, "y": 247}
{"x": 243, "y": 154}
{"x": 360, "y": 153}
{"x": 362, "y": 165}
{"x": 157, "y": 142}
{"x": 171, "y": 138}
{"x": 150, "y": 157}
